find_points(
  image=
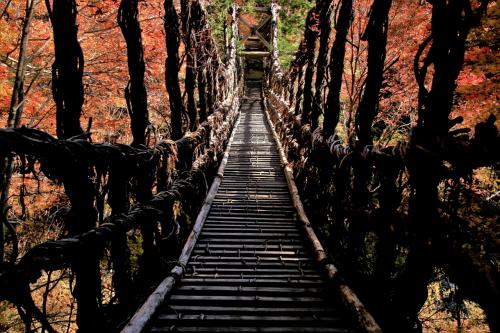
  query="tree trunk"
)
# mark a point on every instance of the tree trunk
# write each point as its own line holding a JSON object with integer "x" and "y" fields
{"x": 202, "y": 92}
{"x": 332, "y": 111}
{"x": 172, "y": 37}
{"x": 67, "y": 89}
{"x": 88, "y": 291}
{"x": 376, "y": 35}
{"x": 135, "y": 92}
{"x": 325, "y": 9}
{"x": 190, "y": 83}
{"x": 67, "y": 70}
{"x": 211, "y": 90}
{"x": 361, "y": 201}
{"x": 300, "y": 90}
{"x": 310, "y": 35}
{"x": 451, "y": 23}
{"x": 204, "y": 48}
{"x": 14, "y": 120}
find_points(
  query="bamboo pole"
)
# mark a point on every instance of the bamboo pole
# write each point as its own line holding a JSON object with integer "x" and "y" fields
{"x": 365, "y": 320}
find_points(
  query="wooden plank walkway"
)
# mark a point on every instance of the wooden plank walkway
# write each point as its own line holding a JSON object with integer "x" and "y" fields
{"x": 251, "y": 269}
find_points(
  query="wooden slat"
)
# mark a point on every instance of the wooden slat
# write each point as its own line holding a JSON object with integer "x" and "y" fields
{"x": 246, "y": 310}
{"x": 257, "y": 320}
{"x": 234, "y": 329}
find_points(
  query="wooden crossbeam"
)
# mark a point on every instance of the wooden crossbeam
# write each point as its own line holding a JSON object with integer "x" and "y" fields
{"x": 254, "y": 30}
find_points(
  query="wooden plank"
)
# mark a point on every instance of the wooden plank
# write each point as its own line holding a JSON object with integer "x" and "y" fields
{"x": 243, "y": 290}
{"x": 307, "y": 319}
{"x": 245, "y": 310}
{"x": 255, "y": 226}
{"x": 235, "y": 299}
{"x": 259, "y": 246}
{"x": 262, "y": 9}
{"x": 254, "y": 54}
{"x": 249, "y": 227}
{"x": 255, "y": 253}
{"x": 245, "y": 219}
{"x": 256, "y": 235}
{"x": 250, "y": 241}
{"x": 239, "y": 329}
{"x": 258, "y": 259}
{"x": 247, "y": 266}
{"x": 254, "y": 282}
{"x": 243, "y": 276}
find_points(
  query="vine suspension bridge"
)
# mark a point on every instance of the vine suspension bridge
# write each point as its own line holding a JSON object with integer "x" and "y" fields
{"x": 250, "y": 262}
{"x": 252, "y": 268}
{"x": 206, "y": 231}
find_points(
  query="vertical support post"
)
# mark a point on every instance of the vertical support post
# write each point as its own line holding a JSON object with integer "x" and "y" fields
{"x": 233, "y": 43}
{"x": 275, "y": 62}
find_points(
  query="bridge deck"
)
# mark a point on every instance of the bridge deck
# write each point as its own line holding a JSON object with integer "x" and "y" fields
{"x": 251, "y": 270}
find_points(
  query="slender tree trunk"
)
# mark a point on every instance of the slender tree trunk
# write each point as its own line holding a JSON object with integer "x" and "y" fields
{"x": 204, "y": 47}
{"x": 275, "y": 65}
{"x": 135, "y": 92}
{"x": 190, "y": 83}
{"x": 177, "y": 109}
{"x": 231, "y": 65}
{"x": 202, "y": 92}
{"x": 376, "y": 35}
{"x": 88, "y": 291}
{"x": 300, "y": 91}
{"x": 14, "y": 120}
{"x": 332, "y": 111}
{"x": 310, "y": 35}
{"x": 67, "y": 70}
{"x": 325, "y": 9}
{"x": 17, "y": 99}
{"x": 211, "y": 89}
